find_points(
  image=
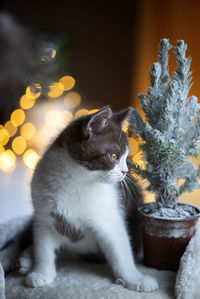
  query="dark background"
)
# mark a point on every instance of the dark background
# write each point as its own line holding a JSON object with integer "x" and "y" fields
{"x": 102, "y": 43}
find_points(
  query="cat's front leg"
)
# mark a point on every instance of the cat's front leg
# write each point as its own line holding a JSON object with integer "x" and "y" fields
{"x": 114, "y": 242}
{"x": 26, "y": 260}
{"x": 45, "y": 243}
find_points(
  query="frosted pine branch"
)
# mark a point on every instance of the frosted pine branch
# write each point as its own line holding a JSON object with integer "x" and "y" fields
{"x": 163, "y": 59}
{"x": 172, "y": 128}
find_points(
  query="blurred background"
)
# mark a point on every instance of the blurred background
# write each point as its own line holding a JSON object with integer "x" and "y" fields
{"x": 61, "y": 59}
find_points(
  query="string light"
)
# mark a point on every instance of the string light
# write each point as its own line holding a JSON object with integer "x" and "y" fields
{"x": 19, "y": 145}
{"x": 7, "y": 160}
{"x": 55, "y": 90}
{"x": 28, "y": 131}
{"x": 93, "y": 111}
{"x": 125, "y": 126}
{"x": 33, "y": 91}
{"x": 68, "y": 82}
{"x": 18, "y": 117}
{"x": 81, "y": 112}
{"x": 31, "y": 158}
{"x": 11, "y": 128}
{"x": 4, "y": 136}
{"x": 66, "y": 117}
{"x": 48, "y": 55}
{"x": 53, "y": 118}
{"x": 26, "y": 103}
{"x": 1, "y": 150}
{"x": 72, "y": 99}
{"x": 133, "y": 144}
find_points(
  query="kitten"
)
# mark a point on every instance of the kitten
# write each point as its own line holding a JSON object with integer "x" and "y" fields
{"x": 76, "y": 198}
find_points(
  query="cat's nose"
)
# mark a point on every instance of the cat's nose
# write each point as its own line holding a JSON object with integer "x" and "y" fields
{"x": 124, "y": 172}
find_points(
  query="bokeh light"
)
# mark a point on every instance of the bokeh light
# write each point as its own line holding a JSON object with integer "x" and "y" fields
{"x": 125, "y": 126}
{"x": 81, "y": 112}
{"x": 26, "y": 103}
{"x": 68, "y": 82}
{"x": 1, "y": 150}
{"x": 18, "y": 117}
{"x": 31, "y": 158}
{"x": 55, "y": 90}
{"x": 66, "y": 117}
{"x": 28, "y": 131}
{"x": 134, "y": 145}
{"x": 10, "y": 127}
{"x": 19, "y": 145}
{"x": 137, "y": 159}
{"x": 93, "y": 111}
{"x": 7, "y": 160}
{"x": 4, "y": 136}
{"x": 33, "y": 91}
{"x": 72, "y": 99}
{"x": 48, "y": 54}
{"x": 53, "y": 118}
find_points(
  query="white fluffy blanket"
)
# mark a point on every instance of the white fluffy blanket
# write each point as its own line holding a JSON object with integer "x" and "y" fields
{"x": 80, "y": 280}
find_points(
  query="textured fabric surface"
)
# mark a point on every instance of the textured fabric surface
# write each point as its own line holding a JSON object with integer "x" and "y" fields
{"x": 13, "y": 227}
{"x": 188, "y": 276}
{"x": 80, "y": 280}
{"x": 2, "y": 283}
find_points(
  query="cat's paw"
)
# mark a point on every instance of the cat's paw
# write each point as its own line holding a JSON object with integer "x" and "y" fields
{"x": 25, "y": 264}
{"x": 36, "y": 280}
{"x": 144, "y": 284}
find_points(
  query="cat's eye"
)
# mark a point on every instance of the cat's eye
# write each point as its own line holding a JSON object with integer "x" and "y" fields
{"x": 113, "y": 157}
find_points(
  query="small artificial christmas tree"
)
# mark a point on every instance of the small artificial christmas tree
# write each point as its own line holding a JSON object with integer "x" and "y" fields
{"x": 171, "y": 131}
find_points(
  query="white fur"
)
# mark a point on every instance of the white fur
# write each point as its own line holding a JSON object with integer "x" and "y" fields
{"x": 90, "y": 201}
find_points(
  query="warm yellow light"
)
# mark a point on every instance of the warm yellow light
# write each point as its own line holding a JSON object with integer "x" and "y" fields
{"x": 137, "y": 159}
{"x": 4, "y": 136}
{"x": 125, "y": 126}
{"x": 28, "y": 131}
{"x": 93, "y": 111}
{"x": 18, "y": 117}
{"x": 19, "y": 145}
{"x": 53, "y": 118}
{"x": 31, "y": 158}
{"x": 1, "y": 150}
{"x": 68, "y": 82}
{"x": 55, "y": 90}
{"x": 10, "y": 127}
{"x": 53, "y": 53}
{"x": 33, "y": 91}
{"x": 49, "y": 54}
{"x": 66, "y": 117}
{"x": 133, "y": 144}
{"x": 81, "y": 112}
{"x": 72, "y": 99}
{"x": 26, "y": 103}
{"x": 7, "y": 160}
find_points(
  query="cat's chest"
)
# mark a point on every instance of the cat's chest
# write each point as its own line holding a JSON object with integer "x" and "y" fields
{"x": 86, "y": 200}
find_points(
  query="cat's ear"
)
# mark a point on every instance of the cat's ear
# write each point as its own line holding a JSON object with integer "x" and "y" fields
{"x": 121, "y": 115}
{"x": 97, "y": 121}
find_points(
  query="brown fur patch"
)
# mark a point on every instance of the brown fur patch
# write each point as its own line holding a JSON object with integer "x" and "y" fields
{"x": 65, "y": 228}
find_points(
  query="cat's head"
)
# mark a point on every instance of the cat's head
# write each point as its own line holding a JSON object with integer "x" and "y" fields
{"x": 97, "y": 142}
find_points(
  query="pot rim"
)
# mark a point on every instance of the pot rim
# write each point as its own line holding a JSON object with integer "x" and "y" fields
{"x": 152, "y": 203}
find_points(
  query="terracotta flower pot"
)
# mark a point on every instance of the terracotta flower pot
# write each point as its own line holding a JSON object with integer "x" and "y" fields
{"x": 165, "y": 240}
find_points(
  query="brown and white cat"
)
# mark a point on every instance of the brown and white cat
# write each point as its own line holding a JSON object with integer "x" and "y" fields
{"x": 77, "y": 199}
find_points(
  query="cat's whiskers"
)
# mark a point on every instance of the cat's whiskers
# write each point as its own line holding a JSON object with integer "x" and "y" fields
{"x": 104, "y": 179}
{"x": 128, "y": 191}
{"x": 131, "y": 184}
